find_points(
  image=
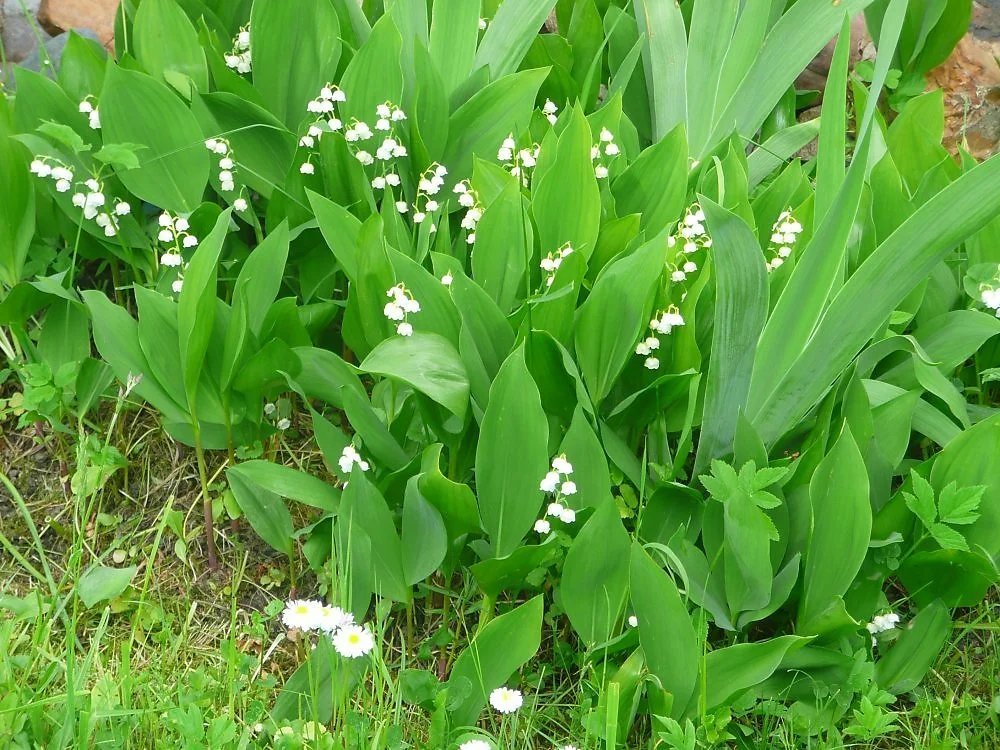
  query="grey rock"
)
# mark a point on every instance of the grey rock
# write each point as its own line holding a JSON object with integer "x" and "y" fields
{"x": 19, "y": 31}
{"x": 54, "y": 49}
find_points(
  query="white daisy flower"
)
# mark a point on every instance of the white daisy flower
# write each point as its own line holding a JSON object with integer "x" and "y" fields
{"x": 302, "y": 614}
{"x": 353, "y": 641}
{"x": 505, "y": 700}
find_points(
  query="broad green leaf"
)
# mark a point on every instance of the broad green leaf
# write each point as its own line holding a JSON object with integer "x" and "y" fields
{"x": 480, "y": 125}
{"x": 324, "y": 374}
{"x": 263, "y": 148}
{"x": 583, "y": 449}
{"x": 511, "y": 457}
{"x": 741, "y": 297}
{"x": 295, "y": 48}
{"x": 664, "y": 57}
{"x": 116, "y": 336}
{"x": 424, "y": 538}
{"x": 454, "y": 501}
{"x": 655, "y": 184}
{"x": 497, "y": 651}
{"x": 101, "y": 583}
{"x": 166, "y": 42}
{"x": 17, "y": 210}
{"x": 135, "y": 108}
{"x": 905, "y": 664}
{"x": 732, "y": 670}
{"x": 509, "y": 35}
{"x": 957, "y": 577}
{"x": 341, "y": 230}
{"x": 666, "y": 632}
{"x": 454, "y": 34}
{"x": 595, "y": 576}
{"x": 427, "y": 362}
{"x": 495, "y": 575}
{"x": 288, "y": 482}
{"x": 374, "y": 74}
{"x": 710, "y": 37}
{"x": 196, "y": 306}
{"x": 830, "y": 166}
{"x": 371, "y": 514}
{"x": 841, "y": 527}
{"x": 566, "y": 202}
{"x": 970, "y": 459}
{"x": 778, "y": 149}
{"x": 264, "y": 510}
{"x": 503, "y": 247}
{"x": 615, "y": 313}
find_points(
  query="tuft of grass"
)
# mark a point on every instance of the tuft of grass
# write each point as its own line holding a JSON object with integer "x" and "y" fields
{"x": 187, "y": 658}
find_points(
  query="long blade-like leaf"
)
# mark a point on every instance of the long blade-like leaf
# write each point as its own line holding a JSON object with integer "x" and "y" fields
{"x": 873, "y": 292}
{"x": 740, "y": 311}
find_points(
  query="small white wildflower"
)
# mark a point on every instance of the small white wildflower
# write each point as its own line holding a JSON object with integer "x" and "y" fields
{"x": 505, "y": 700}
{"x": 189, "y": 240}
{"x": 447, "y": 279}
{"x": 270, "y": 409}
{"x": 560, "y": 464}
{"x": 652, "y": 363}
{"x": 240, "y": 204}
{"x": 554, "y": 509}
{"x": 171, "y": 260}
{"x": 353, "y": 641}
{"x": 402, "y": 206}
{"x": 307, "y": 168}
{"x": 63, "y": 186}
{"x": 302, "y": 614}
{"x": 990, "y": 298}
{"x": 431, "y": 206}
{"x": 284, "y": 423}
{"x": 349, "y": 458}
{"x": 404, "y": 329}
{"x": 568, "y": 488}
{"x": 550, "y": 482}
{"x": 633, "y": 621}
{"x": 882, "y": 623}
{"x": 600, "y": 171}
{"x": 482, "y": 27}
{"x": 392, "y": 179}
{"x": 418, "y": 217}
{"x": 365, "y": 158}
{"x": 123, "y": 208}
{"x": 542, "y": 526}
{"x": 568, "y": 515}
{"x": 165, "y": 235}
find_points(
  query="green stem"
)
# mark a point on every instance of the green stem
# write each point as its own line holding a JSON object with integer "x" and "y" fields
{"x": 206, "y": 500}
{"x": 486, "y": 613}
